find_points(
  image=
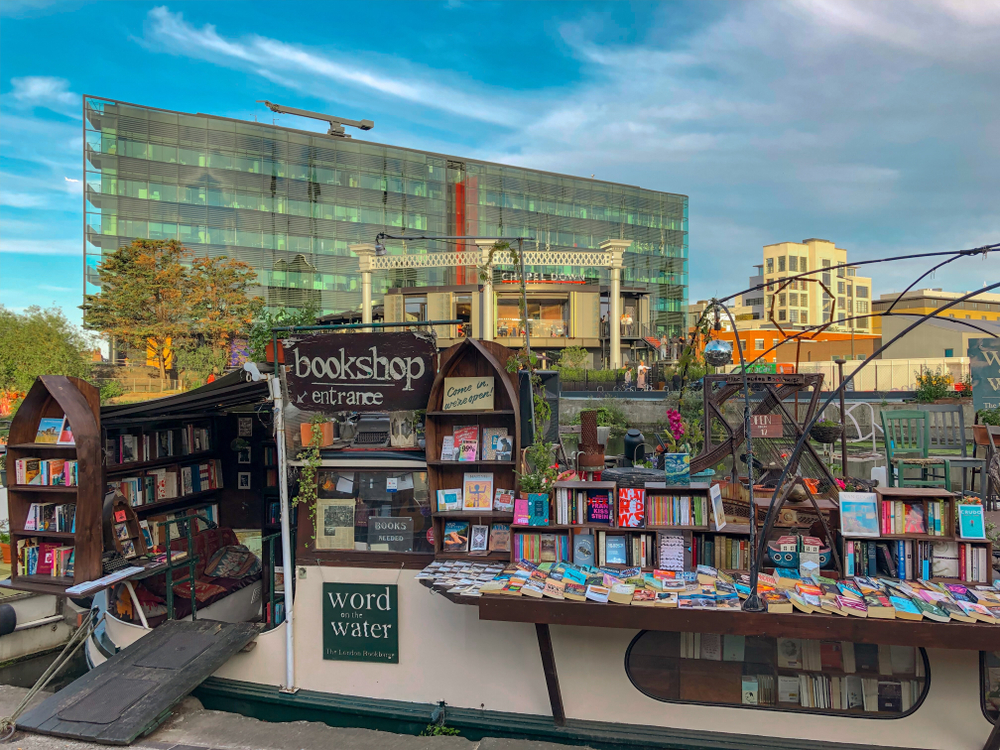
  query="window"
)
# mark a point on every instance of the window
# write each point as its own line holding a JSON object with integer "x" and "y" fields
{"x": 416, "y": 308}
{"x": 758, "y": 344}
{"x": 989, "y": 671}
{"x": 804, "y": 300}
{"x": 781, "y": 315}
{"x": 548, "y": 318}
{"x": 356, "y": 511}
{"x": 793, "y": 263}
{"x": 781, "y": 263}
{"x": 757, "y": 672}
{"x": 769, "y": 265}
{"x": 793, "y": 300}
{"x": 793, "y": 316}
{"x": 781, "y": 300}
{"x": 862, "y": 307}
{"x": 850, "y": 291}
{"x": 840, "y": 287}
{"x": 803, "y": 264}
{"x": 803, "y": 317}
{"x": 949, "y": 352}
{"x": 841, "y": 303}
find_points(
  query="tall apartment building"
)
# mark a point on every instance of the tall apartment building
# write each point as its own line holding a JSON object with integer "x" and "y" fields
{"x": 985, "y": 306}
{"x": 807, "y": 302}
{"x": 290, "y": 202}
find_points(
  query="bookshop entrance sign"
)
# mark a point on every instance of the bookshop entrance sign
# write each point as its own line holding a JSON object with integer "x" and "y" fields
{"x": 360, "y": 622}
{"x": 984, "y": 358}
{"x": 360, "y": 372}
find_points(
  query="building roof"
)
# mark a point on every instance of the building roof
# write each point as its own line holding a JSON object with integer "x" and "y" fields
{"x": 952, "y": 324}
{"x": 939, "y": 294}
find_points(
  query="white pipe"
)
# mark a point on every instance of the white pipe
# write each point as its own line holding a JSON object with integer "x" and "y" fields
{"x": 274, "y": 381}
{"x": 39, "y": 623}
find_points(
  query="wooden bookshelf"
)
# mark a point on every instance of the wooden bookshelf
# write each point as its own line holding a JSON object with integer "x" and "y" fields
{"x": 55, "y": 396}
{"x": 922, "y": 496}
{"x": 470, "y": 358}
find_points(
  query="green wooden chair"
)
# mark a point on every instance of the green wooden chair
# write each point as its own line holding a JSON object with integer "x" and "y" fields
{"x": 907, "y": 440}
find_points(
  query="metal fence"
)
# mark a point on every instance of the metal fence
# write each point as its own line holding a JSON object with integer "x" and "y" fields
{"x": 140, "y": 385}
{"x": 888, "y": 374}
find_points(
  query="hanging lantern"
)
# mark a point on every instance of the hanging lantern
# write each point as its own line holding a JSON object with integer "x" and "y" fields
{"x": 719, "y": 353}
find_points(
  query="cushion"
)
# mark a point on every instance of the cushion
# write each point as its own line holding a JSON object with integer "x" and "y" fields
{"x": 919, "y": 461}
{"x": 232, "y": 561}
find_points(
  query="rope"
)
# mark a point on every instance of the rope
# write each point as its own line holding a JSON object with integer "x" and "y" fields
{"x": 8, "y": 724}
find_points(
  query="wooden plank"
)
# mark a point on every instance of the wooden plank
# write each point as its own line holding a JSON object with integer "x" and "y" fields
{"x": 199, "y": 647}
{"x": 955, "y": 635}
{"x": 551, "y": 676}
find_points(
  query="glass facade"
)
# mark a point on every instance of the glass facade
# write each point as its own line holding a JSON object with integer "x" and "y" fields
{"x": 290, "y": 203}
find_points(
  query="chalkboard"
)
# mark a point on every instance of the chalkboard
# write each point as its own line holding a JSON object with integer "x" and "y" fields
{"x": 394, "y": 532}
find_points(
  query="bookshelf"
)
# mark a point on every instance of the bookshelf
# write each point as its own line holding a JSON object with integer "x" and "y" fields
{"x": 911, "y": 545}
{"x": 471, "y": 358}
{"x": 52, "y": 397}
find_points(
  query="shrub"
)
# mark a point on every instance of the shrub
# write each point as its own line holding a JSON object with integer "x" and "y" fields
{"x": 932, "y": 385}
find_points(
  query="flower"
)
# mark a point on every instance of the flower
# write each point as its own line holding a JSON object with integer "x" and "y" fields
{"x": 675, "y": 428}
{"x": 840, "y": 483}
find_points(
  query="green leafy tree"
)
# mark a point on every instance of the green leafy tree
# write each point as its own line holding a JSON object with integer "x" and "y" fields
{"x": 40, "y": 342}
{"x": 145, "y": 298}
{"x": 260, "y": 331}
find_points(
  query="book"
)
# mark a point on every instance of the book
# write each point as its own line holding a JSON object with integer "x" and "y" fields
{"x": 890, "y": 697}
{"x": 496, "y": 445}
{"x": 66, "y": 434}
{"x": 503, "y": 500}
{"x": 538, "y": 507}
{"x": 971, "y": 524}
{"x": 598, "y": 508}
{"x": 467, "y": 450}
{"x": 500, "y": 537}
{"x": 477, "y": 492}
{"x": 777, "y": 603}
{"x": 859, "y": 514}
{"x": 49, "y": 429}
{"x": 616, "y": 550}
{"x": 450, "y": 499}
{"x": 631, "y": 507}
{"x": 788, "y": 689}
{"x": 621, "y": 593}
{"x": 448, "y": 448}
{"x": 456, "y": 536}
{"x": 913, "y": 519}
{"x": 479, "y": 538}
{"x": 789, "y": 651}
{"x": 599, "y": 594}
{"x": 879, "y": 606}
{"x": 522, "y": 515}
{"x": 905, "y": 608}
{"x": 749, "y": 687}
{"x": 583, "y": 549}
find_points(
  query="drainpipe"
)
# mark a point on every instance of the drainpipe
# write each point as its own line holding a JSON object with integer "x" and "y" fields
{"x": 274, "y": 383}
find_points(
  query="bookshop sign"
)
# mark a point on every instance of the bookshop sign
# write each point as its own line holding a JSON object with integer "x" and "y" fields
{"x": 984, "y": 359}
{"x": 360, "y": 622}
{"x": 361, "y": 371}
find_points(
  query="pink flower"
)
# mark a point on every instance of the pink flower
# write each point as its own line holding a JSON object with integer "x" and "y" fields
{"x": 840, "y": 483}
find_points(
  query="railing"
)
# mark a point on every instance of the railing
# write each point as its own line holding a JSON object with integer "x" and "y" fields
{"x": 190, "y": 562}
{"x": 889, "y": 374}
{"x": 633, "y": 330}
{"x": 141, "y": 385}
{"x": 540, "y": 329}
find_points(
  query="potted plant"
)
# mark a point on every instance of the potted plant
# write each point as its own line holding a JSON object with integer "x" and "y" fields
{"x": 540, "y": 472}
{"x": 826, "y": 431}
{"x": 677, "y": 457}
{"x": 987, "y": 418}
{"x": 5, "y": 540}
{"x": 325, "y": 430}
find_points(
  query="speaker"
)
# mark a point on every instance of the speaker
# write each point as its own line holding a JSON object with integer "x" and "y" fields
{"x": 550, "y": 392}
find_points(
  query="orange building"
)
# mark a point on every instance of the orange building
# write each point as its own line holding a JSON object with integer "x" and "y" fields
{"x": 825, "y": 346}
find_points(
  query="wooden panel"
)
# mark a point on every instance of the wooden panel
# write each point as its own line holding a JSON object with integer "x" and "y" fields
{"x": 392, "y": 306}
{"x": 157, "y": 666}
{"x": 969, "y": 637}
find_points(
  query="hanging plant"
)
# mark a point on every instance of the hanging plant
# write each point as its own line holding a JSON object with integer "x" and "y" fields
{"x": 309, "y": 471}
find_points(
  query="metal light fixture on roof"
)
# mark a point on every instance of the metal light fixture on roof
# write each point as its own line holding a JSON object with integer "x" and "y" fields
{"x": 379, "y": 249}
{"x": 719, "y": 353}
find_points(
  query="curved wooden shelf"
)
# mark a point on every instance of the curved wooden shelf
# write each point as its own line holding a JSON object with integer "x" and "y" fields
{"x": 168, "y": 461}
{"x": 55, "y": 396}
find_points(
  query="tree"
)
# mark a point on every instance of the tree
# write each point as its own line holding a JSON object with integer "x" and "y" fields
{"x": 221, "y": 310}
{"x": 40, "y": 342}
{"x": 145, "y": 298}
{"x": 260, "y": 332}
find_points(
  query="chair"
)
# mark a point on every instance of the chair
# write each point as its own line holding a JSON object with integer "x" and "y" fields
{"x": 907, "y": 439}
{"x": 946, "y": 425}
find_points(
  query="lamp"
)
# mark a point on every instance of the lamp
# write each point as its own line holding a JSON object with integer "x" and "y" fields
{"x": 718, "y": 353}
{"x": 379, "y": 249}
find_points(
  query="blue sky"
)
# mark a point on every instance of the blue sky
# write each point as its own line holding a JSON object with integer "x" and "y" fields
{"x": 875, "y": 125}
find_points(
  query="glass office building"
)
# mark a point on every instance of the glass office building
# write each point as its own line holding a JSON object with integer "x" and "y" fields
{"x": 290, "y": 202}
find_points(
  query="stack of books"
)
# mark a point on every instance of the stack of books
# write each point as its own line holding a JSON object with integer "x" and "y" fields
{"x": 47, "y": 472}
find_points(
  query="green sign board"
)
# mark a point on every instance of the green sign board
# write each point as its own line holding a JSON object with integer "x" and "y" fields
{"x": 984, "y": 359}
{"x": 360, "y": 622}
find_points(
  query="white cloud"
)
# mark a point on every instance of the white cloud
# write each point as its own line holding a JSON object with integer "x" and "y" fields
{"x": 50, "y": 288}
{"x": 308, "y": 70}
{"x": 41, "y": 247}
{"x": 45, "y": 91}
{"x": 21, "y": 200}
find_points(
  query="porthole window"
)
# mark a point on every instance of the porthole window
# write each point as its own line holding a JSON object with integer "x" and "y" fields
{"x": 792, "y": 674}
{"x": 990, "y": 684}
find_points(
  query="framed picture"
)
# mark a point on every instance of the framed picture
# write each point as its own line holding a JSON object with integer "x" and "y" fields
{"x": 243, "y": 480}
{"x": 243, "y": 456}
{"x": 246, "y": 426}
{"x": 859, "y": 514}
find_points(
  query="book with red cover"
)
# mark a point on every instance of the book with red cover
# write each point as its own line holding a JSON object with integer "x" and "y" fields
{"x": 631, "y": 508}
{"x": 830, "y": 655}
{"x": 46, "y": 558}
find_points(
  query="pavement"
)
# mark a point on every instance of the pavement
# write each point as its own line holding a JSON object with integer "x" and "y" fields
{"x": 192, "y": 727}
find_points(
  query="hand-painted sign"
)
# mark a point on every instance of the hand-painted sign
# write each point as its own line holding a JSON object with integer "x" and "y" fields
{"x": 390, "y": 533}
{"x": 360, "y": 372}
{"x": 360, "y": 622}
{"x": 984, "y": 357}
{"x": 765, "y": 426}
{"x": 462, "y": 394}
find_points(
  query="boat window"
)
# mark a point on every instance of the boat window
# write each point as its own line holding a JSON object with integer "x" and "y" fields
{"x": 793, "y": 674}
{"x": 381, "y": 510}
{"x": 989, "y": 667}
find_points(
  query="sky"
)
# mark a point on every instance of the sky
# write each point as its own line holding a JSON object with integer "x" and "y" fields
{"x": 875, "y": 125}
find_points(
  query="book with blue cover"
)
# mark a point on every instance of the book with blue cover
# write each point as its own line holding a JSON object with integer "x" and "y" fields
{"x": 583, "y": 549}
{"x": 971, "y": 524}
{"x": 615, "y": 550}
